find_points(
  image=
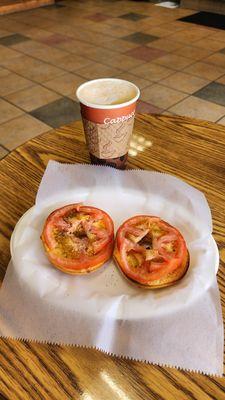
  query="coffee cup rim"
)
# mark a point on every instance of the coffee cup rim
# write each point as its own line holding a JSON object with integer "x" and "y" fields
{"x": 107, "y": 106}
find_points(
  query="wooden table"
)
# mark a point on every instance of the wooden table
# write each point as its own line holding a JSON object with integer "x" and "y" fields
{"x": 190, "y": 149}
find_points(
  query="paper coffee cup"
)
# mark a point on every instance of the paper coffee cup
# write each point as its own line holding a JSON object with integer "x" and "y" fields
{"x": 107, "y": 110}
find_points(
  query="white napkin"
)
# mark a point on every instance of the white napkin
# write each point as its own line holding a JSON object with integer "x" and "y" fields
{"x": 179, "y": 326}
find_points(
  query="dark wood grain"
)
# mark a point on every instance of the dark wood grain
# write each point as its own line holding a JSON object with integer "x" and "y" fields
{"x": 190, "y": 149}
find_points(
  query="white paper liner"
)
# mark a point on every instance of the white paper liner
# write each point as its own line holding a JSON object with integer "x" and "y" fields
{"x": 180, "y": 326}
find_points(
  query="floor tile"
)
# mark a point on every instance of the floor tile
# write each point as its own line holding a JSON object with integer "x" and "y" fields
{"x": 7, "y": 54}
{"x": 98, "y": 17}
{"x": 72, "y": 62}
{"x": 146, "y": 108}
{"x": 140, "y": 82}
{"x": 221, "y": 121}
{"x": 58, "y": 113}
{"x": 8, "y": 111}
{"x": 145, "y": 53}
{"x": 30, "y": 47}
{"x": 168, "y": 113}
{"x": 3, "y": 152}
{"x": 95, "y": 25}
{"x": 65, "y": 84}
{"x": 32, "y": 69}
{"x": 158, "y": 31}
{"x": 198, "y": 108}
{"x": 114, "y": 10}
{"x": 216, "y": 59}
{"x": 221, "y": 80}
{"x": 214, "y": 92}
{"x": 54, "y": 39}
{"x": 205, "y": 71}
{"x": 13, "y": 26}
{"x": 116, "y": 31}
{"x": 187, "y": 36}
{"x": 13, "y": 39}
{"x": 19, "y": 130}
{"x": 125, "y": 23}
{"x": 44, "y": 72}
{"x": 194, "y": 53}
{"x": 184, "y": 82}
{"x": 124, "y": 62}
{"x": 152, "y": 72}
{"x": 76, "y": 47}
{"x": 175, "y": 26}
{"x": 4, "y": 72}
{"x": 56, "y": 28}
{"x": 3, "y": 33}
{"x": 219, "y": 35}
{"x": 99, "y": 54}
{"x": 36, "y": 33}
{"x": 32, "y": 98}
{"x": 148, "y": 23}
{"x": 35, "y": 21}
{"x": 185, "y": 12}
{"x": 96, "y": 39}
{"x": 161, "y": 96}
{"x": 173, "y": 61}
{"x": 120, "y": 46}
{"x": 89, "y": 36}
{"x": 165, "y": 44}
{"x": 133, "y": 16}
{"x": 12, "y": 83}
{"x": 97, "y": 70}
{"x": 40, "y": 51}
{"x": 140, "y": 38}
{"x": 22, "y": 62}
{"x": 209, "y": 44}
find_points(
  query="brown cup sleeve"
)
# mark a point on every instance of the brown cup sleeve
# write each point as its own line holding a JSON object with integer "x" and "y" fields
{"x": 109, "y": 140}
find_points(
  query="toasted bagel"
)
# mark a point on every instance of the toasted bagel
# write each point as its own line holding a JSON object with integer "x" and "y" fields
{"x": 168, "y": 280}
{"x": 78, "y": 239}
{"x": 150, "y": 253}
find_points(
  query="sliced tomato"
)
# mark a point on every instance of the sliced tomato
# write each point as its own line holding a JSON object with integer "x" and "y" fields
{"x": 149, "y": 248}
{"x": 135, "y": 225}
{"x": 83, "y": 263}
{"x": 78, "y": 238}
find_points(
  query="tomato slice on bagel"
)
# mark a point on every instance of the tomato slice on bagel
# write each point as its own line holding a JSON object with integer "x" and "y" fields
{"x": 151, "y": 252}
{"x": 78, "y": 239}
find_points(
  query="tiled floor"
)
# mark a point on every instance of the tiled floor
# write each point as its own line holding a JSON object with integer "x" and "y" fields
{"x": 46, "y": 53}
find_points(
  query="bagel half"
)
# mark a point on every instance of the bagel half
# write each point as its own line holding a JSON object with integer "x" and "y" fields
{"x": 78, "y": 239}
{"x": 168, "y": 280}
{"x": 170, "y": 277}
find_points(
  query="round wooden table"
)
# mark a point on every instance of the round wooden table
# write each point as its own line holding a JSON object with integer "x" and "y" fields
{"x": 190, "y": 149}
